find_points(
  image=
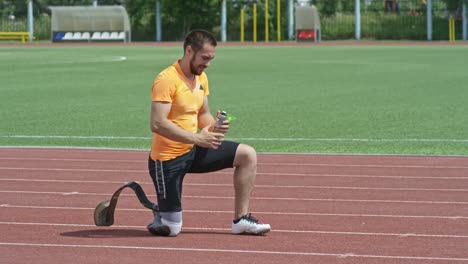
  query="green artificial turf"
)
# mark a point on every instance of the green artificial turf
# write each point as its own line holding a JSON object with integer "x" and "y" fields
{"x": 357, "y": 99}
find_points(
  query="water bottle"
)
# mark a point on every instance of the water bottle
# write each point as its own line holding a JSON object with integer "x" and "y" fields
{"x": 222, "y": 116}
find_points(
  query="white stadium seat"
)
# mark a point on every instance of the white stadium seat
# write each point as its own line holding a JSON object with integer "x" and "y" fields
{"x": 103, "y": 23}
{"x": 114, "y": 35}
{"x": 85, "y": 36}
{"x": 68, "y": 36}
{"x": 96, "y": 36}
{"x": 105, "y": 35}
{"x": 76, "y": 36}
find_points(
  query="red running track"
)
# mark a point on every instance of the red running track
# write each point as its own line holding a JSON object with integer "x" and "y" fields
{"x": 322, "y": 208}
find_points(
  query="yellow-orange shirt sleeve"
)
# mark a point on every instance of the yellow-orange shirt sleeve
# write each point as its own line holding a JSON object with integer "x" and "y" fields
{"x": 204, "y": 83}
{"x": 163, "y": 89}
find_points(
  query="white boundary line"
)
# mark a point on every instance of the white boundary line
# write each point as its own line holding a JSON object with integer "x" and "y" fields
{"x": 263, "y": 213}
{"x": 274, "y": 231}
{"x": 343, "y": 255}
{"x": 249, "y": 139}
{"x": 337, "y": 255}
{"x": 82, "y": 148}
{"x": 259, "y": 163}
{"x": 258, "y": 173}
{"x": 81, "y": 170}
{"x": 252, "y": 198}
{"x": 263, "y": 186}
{"x": 39, "y": 147}
{"x": 74, "y": 137}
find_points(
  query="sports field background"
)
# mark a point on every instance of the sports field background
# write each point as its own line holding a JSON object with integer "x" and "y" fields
{"x": 318, "y": 99}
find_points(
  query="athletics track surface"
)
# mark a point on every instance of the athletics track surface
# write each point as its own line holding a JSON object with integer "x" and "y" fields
{"x": 322, "y": 208}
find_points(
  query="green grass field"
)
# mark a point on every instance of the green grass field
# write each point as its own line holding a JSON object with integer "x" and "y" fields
{"x": 317, "y": 99}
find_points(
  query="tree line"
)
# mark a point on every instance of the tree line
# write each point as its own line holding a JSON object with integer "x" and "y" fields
{"x": 180, "y": 16}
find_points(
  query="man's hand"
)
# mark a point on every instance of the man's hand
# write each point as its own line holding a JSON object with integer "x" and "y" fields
{"x": 223, "y": 128}
{"x": 209, "y": 139}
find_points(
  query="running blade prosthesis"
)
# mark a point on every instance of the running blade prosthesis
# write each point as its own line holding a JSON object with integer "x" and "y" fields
{"x": 104, "y": 212}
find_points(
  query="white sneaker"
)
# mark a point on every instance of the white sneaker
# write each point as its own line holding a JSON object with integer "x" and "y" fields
{"x": 249, "y": 225}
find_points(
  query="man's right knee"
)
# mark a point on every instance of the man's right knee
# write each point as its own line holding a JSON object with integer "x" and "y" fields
{"x": 245, "y": 155}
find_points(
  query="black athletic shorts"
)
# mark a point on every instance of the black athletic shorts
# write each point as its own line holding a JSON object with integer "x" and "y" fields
{"x": 168, "y": 175}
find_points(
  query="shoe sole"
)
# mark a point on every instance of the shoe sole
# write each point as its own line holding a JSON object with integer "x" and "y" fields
{"x": 252, "y": 233}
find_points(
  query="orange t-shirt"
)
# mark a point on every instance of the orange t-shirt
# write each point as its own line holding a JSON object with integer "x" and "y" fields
{"x": 172, "y": 86}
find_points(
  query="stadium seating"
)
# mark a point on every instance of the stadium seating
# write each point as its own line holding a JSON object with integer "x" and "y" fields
{"x": 59, "y": 36}
{"x": 90, "y": 24}
{"x": 96, "y": 36}
{"x": 76, "y": 36}
{"x": 122, "y": 35}
{"x": 114, "y": 35}
{"x": 105, "y": 36}
{"x": 85, "y": 36}
{"x": 68, "y": 36}
{"x": 90, "y": 36}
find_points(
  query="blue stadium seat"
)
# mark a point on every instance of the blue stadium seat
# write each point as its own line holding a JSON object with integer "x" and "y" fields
{"x": 59, "y": 35}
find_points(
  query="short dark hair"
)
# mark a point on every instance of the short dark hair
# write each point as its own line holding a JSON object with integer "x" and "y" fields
{"x": 197, "y": 38}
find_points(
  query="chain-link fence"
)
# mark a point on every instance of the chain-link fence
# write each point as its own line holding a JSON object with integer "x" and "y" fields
{"x": 41, "y": 26}
{"x": 388, "y": 20}
{"x": 380, "y": 19}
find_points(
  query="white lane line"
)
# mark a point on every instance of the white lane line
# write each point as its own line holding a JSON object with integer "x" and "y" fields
{"x": 252, "y": 198}
{"x": 362, "y": 165}
{"x": 268, "y": 186}
{"x": 417, "y": 140}
{"x": 347, "y": 255}
{"x": 263, "y": 213}
{"x": 70, "y": 193}
{"x": 37, "y": 148}
{"x": 66, "y": 181}
{"x": 74, "y": 137}
{"x": 258, "y": 173}
{"x": 275, "y": 230}
{"x": 82, "y": 149}
{"x": 119, "y": 58}
{"x": 214, "y": 250}
{"x": 74, "y": 160}
{"x": 79, "y": 170}
{"x": 259, "y": 163}
{"x": 324, "y": 175}
{"x": 335, "y": 187}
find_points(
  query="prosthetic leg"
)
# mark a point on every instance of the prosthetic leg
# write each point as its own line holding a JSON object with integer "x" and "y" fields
{"x": 104, "y": 212}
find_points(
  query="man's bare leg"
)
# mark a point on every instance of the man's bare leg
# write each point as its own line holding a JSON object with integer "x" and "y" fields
{"x": 245, "y": 164}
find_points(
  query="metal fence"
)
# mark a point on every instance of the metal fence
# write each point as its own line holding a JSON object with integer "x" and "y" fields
{"x": 392, "y": 20}
{"x": 41, "y": 26}
{"x": 380, "y": 19}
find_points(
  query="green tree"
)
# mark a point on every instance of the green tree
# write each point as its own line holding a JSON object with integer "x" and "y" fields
{"x": 452, "y": 5}
{"x": 181, "y": 16}
{"x": 347, "y": 5}
{"x": 326, "y": 7}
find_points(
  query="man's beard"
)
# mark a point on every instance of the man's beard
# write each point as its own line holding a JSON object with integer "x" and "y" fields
{"x": 193, "y": 68}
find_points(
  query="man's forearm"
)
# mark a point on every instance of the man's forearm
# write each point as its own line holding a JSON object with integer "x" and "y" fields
{"x": 173, "y": 132}
{"x": 206, "y": 119}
